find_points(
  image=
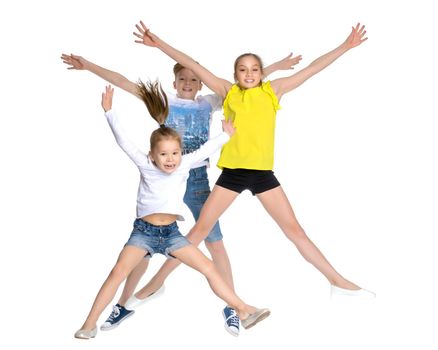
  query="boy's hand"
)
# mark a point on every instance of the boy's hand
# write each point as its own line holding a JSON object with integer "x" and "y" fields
{"x": 107, "y": 98}
{"x": 227, "y": 126}
{"x": 145, "y": 36}
{"x": 75, "y": 62}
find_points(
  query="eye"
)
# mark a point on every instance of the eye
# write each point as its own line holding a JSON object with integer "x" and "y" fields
{"x": 163, "y": 154}
{"x": 175, "y": 153}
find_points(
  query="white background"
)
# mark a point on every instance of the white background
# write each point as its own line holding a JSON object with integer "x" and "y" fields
{"x": 355, "y": 152}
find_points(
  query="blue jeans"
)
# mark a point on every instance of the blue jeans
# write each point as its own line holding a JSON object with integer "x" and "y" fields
{"x": 196, "y": 194}
{"x": 157, "y": 239}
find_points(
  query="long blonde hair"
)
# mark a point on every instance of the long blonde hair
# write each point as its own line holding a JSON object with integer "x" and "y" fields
{"x": 157, "y": 104}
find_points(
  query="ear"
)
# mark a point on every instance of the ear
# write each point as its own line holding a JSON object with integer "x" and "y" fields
{"x": 200, "y": 86}
{"x": 235, "y": 77}
{"x": 174, "y": 84}
{"x": 151, "y": 157}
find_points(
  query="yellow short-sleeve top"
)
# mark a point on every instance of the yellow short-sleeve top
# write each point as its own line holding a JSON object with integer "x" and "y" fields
{"x": 253, "y": 113}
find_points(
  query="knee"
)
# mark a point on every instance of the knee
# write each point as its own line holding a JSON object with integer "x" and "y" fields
{"x": 215, "y": 248}
{"x": 119, "y": 272}
{"x": 197, "y": 234}
{"x": 208, "y": 269}
{"x": 295, "y": 233}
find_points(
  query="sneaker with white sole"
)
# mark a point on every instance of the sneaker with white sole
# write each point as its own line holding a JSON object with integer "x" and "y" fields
{"x": 117, "y": 316}
{"x": 232, "y": 321}
{"x": 133, "y": 302}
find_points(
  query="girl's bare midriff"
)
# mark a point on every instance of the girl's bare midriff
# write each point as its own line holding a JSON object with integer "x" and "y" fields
{"x": 160, "y": 219}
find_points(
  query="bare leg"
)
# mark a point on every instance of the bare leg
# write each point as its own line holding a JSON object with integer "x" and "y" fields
{"x": 128, "y": 259}
{"x": 277, "y": 205}
{"x": 221, "y": 261}
{"x": 132, "y": 281}
{"x": 193, "y": 257}
{"x": 217, "y": 202}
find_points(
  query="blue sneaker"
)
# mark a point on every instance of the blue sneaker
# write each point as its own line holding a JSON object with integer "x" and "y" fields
{"x": 232, "y": 321}
{"x": 118, "y": 315}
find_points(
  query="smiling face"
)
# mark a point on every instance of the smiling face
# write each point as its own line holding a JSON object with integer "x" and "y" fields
{"x": 248, "y": 71}
{"x": 187, "y": 84}
{"x": 166, "y": 155}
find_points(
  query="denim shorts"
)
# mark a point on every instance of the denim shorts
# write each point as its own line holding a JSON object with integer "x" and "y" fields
{"x": 196, "y": 194}
{"x": 238, "y": 180}
{"x": 157, "y": 239}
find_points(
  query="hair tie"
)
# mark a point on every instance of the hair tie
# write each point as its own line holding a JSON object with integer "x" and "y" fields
{"x": 162, "y": 126}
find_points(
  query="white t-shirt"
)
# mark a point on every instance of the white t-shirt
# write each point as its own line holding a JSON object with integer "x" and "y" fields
{"x": 159, "y": 192}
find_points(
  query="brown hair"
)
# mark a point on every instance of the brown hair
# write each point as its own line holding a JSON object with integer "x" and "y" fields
{"x": 257, "y": 57}
{"x": 177, "y": 68}
{"x": 156, "y": 102}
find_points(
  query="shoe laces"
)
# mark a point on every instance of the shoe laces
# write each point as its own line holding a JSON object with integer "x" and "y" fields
{"x": 115, "y": 313}
{"x": 233, "y": 319}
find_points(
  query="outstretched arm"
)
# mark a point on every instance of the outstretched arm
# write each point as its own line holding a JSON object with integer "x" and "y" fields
{"x": 284, "y": 85}
{"x": 286, "y": 63}
{"x": 80, "y": 63}
{"x": 133, "y": 152}
{"x": 217, "y": 85}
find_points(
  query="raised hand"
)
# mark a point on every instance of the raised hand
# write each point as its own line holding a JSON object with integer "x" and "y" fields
{"x": 107, "y": 98}
{"x": 289, "y": 62}
{"x": 356, "y": 37}
{"x": 145, "y": 36}
{"x": 227, "y": 126}
{"x": 75, "y": 62}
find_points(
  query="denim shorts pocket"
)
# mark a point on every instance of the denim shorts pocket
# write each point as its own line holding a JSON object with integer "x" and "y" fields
{"x": 201, "y": 193}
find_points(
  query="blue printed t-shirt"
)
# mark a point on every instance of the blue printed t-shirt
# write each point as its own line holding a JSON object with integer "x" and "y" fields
{"x": 192, "y": 120}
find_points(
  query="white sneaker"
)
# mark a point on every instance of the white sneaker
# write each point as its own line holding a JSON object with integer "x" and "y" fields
{"x": 337, "y": 291}
{"x": 134, "y": 302}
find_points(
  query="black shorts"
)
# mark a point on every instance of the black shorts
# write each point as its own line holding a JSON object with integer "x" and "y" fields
{"x": 238, "y": 180}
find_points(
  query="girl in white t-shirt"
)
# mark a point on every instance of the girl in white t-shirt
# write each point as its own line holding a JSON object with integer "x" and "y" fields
{"x": 164, "y": 172}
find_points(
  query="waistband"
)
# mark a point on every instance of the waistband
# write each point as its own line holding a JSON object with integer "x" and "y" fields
{"x": 157, "y": 228}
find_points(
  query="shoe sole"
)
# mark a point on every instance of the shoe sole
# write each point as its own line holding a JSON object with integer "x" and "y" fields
{"x": 85, "y": 338}
{"x": 261, "y": 317}
{"x": 230, "y": 332}
{"x": 140, "y": 302}
{"x": 115, "y": 325}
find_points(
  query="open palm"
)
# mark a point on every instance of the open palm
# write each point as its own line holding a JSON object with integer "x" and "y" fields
{"x": 356, "y": 37}
{"x": 145, "y": 36}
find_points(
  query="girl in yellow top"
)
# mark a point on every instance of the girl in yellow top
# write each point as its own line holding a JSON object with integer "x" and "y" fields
{"x": 247, "y": 161}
